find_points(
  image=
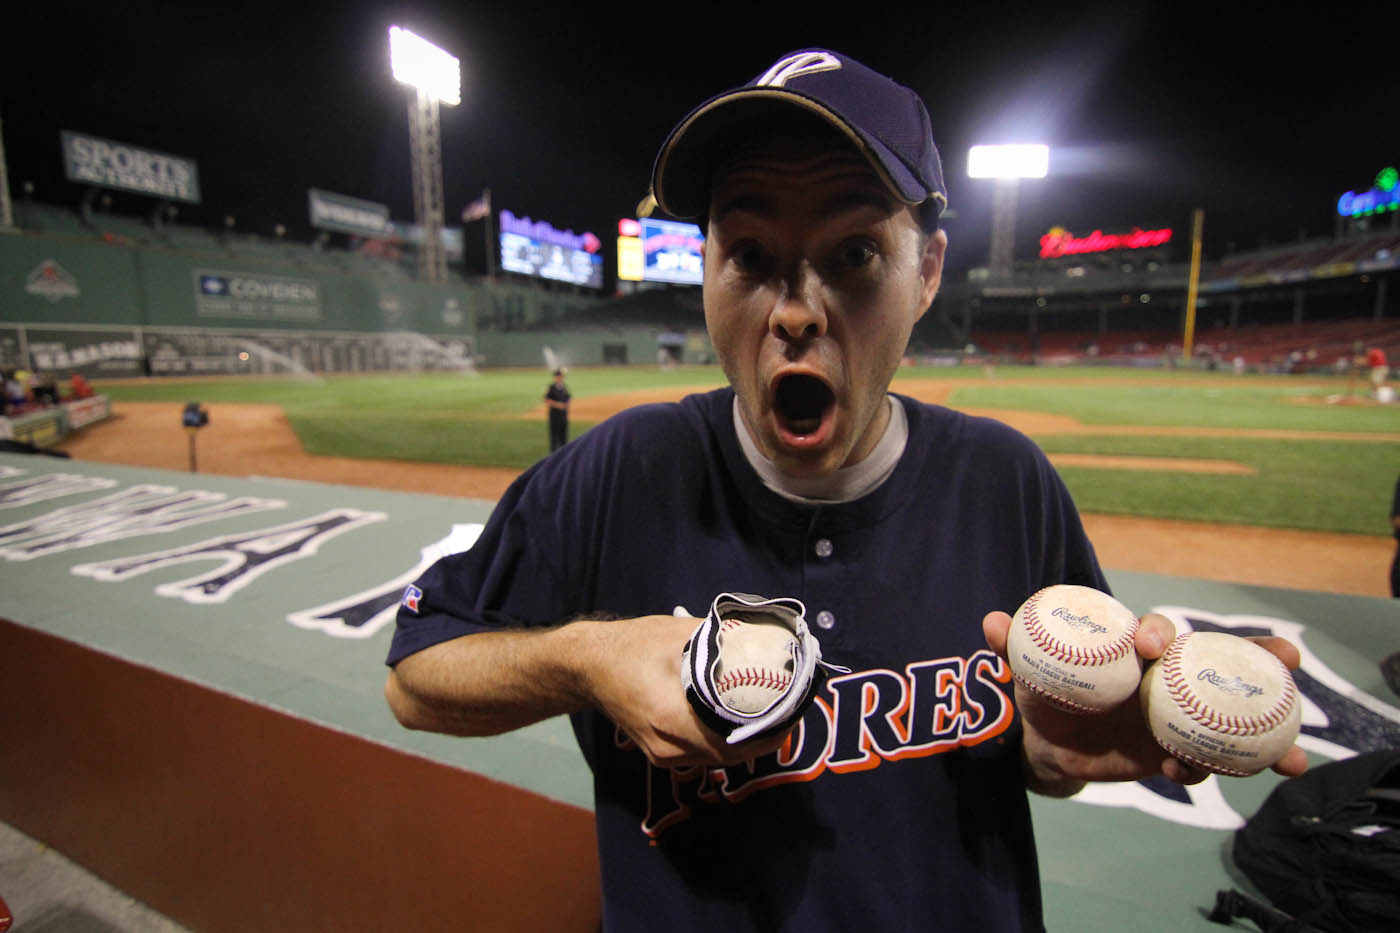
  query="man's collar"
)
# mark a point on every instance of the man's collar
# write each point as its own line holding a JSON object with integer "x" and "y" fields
{"x": 844, "y": 485}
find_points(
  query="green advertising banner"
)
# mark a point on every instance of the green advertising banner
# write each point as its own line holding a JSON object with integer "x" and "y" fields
{"x": 95, "y": 352}
{"x": 240, "y": 295}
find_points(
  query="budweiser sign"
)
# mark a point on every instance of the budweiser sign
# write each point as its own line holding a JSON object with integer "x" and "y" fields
{"x": 1060, "y": 242}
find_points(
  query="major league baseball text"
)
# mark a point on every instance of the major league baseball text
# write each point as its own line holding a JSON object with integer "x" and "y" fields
{"x": 1221, "y": 702}
{"x": 1074, "y": 646}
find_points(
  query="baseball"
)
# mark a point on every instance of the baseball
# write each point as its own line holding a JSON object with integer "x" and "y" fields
{"x": 1073, "y": 645}
{"x": 755, "y": 664}
{"x": 1221, "y": 702}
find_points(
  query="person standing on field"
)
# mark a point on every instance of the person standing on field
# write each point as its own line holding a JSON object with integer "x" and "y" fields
{"x": 1380, "y": 371}
{"x": 557, "y": 398}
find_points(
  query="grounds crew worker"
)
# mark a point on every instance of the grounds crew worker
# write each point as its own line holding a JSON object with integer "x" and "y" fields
{"x": 556, "y": 397}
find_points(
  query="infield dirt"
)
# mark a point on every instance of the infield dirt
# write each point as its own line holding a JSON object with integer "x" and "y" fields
{"x": 257, "y": 440}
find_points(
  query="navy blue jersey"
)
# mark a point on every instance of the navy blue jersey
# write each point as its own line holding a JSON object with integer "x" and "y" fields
{"x": 556, "y": 392}
{"x": 899, "y": 803}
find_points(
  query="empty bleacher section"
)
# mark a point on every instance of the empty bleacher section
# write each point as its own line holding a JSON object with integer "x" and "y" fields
{"x": 1306, "y": 306}
{"x": 193, "y": 238}
{"x": 125, "y": 231}
{"x": 115, "y": 295}
{"x": 1300, "y": 261}
{"x": 1309, "y": 346}
{"x": 1312, "y": 346}
{"x": 43, "y": 218}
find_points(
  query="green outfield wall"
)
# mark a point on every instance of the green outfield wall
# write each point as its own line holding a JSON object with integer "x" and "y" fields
{"x": 73, "y": 302}
{"x": 584, "y": 346}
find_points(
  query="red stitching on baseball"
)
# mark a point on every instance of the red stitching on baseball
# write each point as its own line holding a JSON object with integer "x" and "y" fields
{"x": 752, "y": 677}
{"x": 1178, "y": 686}
{"x": 1067, "y": 653}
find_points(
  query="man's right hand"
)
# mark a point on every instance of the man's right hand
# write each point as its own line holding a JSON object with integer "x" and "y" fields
{"x": 629, "y": 669}
{"x": 637, "y": 684}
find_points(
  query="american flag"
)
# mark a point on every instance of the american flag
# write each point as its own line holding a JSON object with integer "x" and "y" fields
{"x": 477, "y": 209}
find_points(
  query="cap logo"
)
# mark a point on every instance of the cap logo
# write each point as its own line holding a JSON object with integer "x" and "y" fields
{"x": 794, "y": 66}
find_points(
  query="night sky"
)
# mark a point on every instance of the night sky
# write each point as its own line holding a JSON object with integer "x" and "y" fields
{"x": 1261, "y": 114}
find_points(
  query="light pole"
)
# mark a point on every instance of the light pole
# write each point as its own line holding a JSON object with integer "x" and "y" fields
{"x": 1007, "y": 165}
{"x": 436, "y": 78}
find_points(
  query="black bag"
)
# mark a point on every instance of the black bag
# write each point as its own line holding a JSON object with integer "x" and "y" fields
{"x": 1324, "y": 848}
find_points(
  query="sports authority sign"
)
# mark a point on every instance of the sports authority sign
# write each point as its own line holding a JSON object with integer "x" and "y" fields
{"x": 249, "y": 295}
{"x": 90, "y": 160}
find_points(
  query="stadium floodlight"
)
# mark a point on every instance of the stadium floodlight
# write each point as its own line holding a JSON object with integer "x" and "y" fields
{"x": 436, "y": 78}
{"x": 1006, "y": 164}
{"x": 1021, "y": 160}
{"x": 418, "y": 63}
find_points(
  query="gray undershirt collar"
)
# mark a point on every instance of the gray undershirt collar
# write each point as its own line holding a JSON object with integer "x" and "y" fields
{"x": 846, "y": 484}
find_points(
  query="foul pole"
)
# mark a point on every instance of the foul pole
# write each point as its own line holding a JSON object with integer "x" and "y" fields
{"x": 7, "y": 219}
{"x": 1198, "y": 219}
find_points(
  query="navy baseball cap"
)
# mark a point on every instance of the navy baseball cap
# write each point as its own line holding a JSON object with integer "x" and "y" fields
{"x": 885, "y": 120}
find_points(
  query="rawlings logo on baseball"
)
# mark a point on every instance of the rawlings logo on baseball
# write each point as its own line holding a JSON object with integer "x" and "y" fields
{"x": 1248, "y": 719}
{"x": 1074, "y": 647}
{"x": 1083, "y": 622}
{"x": 1235, "y": 685}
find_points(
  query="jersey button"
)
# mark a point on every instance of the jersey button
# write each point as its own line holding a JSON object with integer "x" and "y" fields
{"x": 823, "y": 547}
{"x": 825, "y": 619}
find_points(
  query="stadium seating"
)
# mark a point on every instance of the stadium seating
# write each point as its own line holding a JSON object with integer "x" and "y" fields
{"x": 1252, "y": 312}
{"x": 44, "y": 218}
{"x": 1313, "y": 346}
{"x": 127, "y": 231}
{"x": 119, "y": 229}
{"x": 191, "y": 238}
{"x": 1319, "y": 345}
{"x": 256, "y": 248}
{"x": 1301, "y": 258}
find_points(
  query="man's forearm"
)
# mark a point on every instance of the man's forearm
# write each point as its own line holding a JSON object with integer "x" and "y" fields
{"x": 627, "y": 669}
{"x": 493, "y": 682}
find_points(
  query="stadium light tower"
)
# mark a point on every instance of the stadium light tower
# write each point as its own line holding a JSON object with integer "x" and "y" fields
{"x": 1007, "y": 165}
{"x": 436, "y": 78}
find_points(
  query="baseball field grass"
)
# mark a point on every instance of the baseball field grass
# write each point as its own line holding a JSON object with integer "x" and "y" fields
{"x": 1317, "y": 462}
{"x": 1314, "y": 453}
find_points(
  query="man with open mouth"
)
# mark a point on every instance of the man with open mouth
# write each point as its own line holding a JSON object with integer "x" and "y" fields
{"x": 898, "y": 799}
